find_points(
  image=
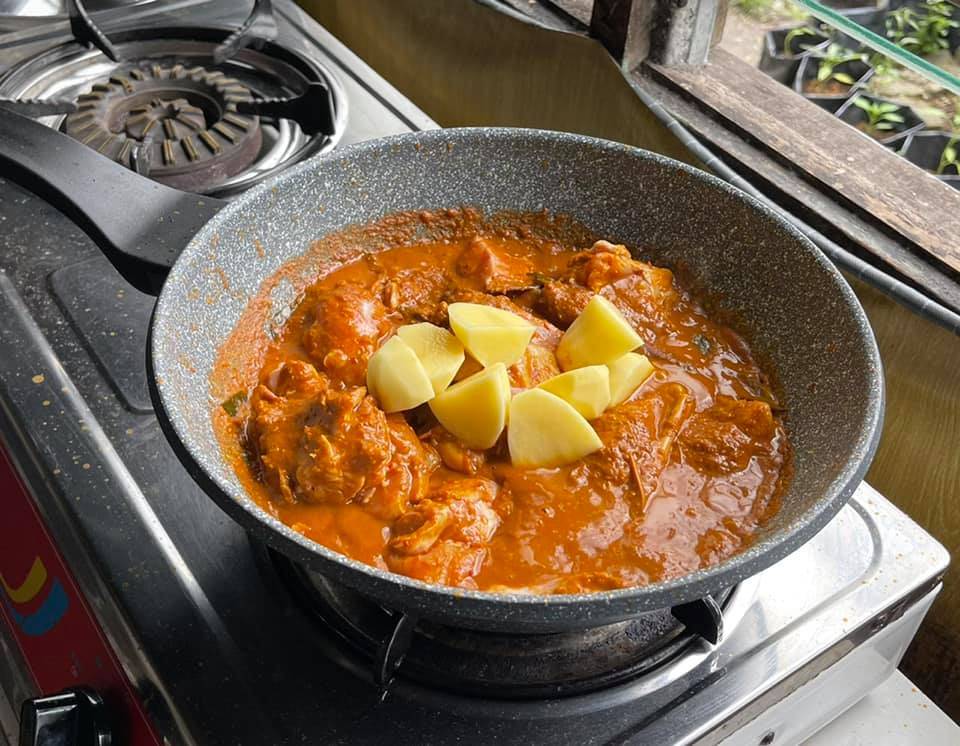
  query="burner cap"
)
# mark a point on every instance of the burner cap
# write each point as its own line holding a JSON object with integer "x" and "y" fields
{"x": 179, "y": 125}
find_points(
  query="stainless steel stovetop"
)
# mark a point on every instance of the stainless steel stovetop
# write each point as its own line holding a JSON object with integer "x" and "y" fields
{"x": 212, "y": 642}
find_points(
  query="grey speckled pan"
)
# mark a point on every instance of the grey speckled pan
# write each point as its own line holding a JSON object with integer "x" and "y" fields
{"x": 794, "y": 308}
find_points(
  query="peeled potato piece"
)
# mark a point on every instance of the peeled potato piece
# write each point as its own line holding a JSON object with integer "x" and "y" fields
{"x": 585, "y": 389}
{"x": 475, "y": 409}
{"x": 491, "y": 335}
{"x": 440, "y": 353}
{"x": 396, "y": 377}
{"x": 545, "y": 431}
{"x": 626, "y": 375}
{"x": 599, "y": 335}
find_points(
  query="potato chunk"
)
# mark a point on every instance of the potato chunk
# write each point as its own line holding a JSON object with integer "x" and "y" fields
{"x": 585, "y": 389}
{"x": 396, "y": 377}
{"x": 598, "y": 336}
{"x": 545, "y": 431}
{"x": 491, "y": 335}
{"x": 626, "y": 375}
{"x": 440, "y": 353}
{"x": 475, "y": 409}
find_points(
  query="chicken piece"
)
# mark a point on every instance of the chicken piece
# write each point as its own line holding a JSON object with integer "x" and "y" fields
{"x": 474, "y": 520}
{"x": 447, "y": 563}
{"x": 497, "y": 270}
{"x": 561, "y": 302}
{"x": 346, "y": 325}
{"x": 643, "y": 293}
{"x": 638, "y": 437}
{"x": 454, "y": 454}
{"x": 407, "y": 476}
{"x": 537, "y": 365}
{"x": 443, "y": 538}
{"x": 417, "y": 530}
{"x": 603, "y": 264}
{"x": 320, "y": 444}
{"x": 276, "y": 415}
{"x": 416, "y": 294}
{"x": 724, "y": 438}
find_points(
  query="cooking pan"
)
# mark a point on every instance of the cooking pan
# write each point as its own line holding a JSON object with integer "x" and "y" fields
{"x": 794, "y": 308}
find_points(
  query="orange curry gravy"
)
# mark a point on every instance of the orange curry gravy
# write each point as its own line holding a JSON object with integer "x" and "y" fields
{"x": 691, "y": 464}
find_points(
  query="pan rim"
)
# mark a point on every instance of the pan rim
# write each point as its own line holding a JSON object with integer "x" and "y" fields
{"x": 501, "y": 606}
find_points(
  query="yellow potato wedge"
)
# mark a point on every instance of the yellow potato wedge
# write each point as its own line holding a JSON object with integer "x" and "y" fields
{"x": 599, "y": 335}
{"x": 475, "y": 409}
{"x": 585, "y": 389}
{"x": 545, "y": 431}
{"x": 396, "y": 378}
{"x": 491, "y": 335}
{"x": 440, "y": 353}
{"x": 626, "y": 375}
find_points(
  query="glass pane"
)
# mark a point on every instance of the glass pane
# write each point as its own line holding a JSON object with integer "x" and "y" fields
{"x": 920, "y": 36}
{"x": 890, "y": 68}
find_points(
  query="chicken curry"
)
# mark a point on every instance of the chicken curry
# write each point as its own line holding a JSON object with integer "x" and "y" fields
{"x": 685, "y": 468}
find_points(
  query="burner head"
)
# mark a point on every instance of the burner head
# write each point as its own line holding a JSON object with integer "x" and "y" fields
{"x": 176, "y": 124}
{"x": 489, "y": 664}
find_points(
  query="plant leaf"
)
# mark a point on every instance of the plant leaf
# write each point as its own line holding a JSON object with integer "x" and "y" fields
{"x": 232, "y": 405}
{"x": 843, "y": 78}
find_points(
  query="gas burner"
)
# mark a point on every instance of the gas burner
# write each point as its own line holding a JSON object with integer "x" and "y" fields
{"x": 178, "y": 125}
{"x": 505, "y": 666}
{"x": 169, "y": 110}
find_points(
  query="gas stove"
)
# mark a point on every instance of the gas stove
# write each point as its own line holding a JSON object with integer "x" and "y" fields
{"x": 126, "y": 588}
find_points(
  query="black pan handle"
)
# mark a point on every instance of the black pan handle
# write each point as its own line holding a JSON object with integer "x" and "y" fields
{"x": 141, "y": 226}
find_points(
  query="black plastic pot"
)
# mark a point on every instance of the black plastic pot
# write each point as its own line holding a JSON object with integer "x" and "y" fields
{"x": 867, "y": 14}
{"x": 779, "y": 62}
{"x": 807, "y": 71}
{"x": 924, "y": 149}
{"x": 853, "y": 115}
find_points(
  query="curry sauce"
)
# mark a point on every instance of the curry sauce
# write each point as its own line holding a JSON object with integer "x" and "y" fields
{"x": 692, "y": 464}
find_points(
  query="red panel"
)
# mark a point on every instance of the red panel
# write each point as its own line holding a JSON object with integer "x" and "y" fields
{"x": 41, "y": 604}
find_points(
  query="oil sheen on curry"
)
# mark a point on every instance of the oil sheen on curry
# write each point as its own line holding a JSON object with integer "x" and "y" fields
{"x": 683, "y": 472}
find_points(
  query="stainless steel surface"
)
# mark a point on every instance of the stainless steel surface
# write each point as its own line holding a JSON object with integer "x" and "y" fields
{"x": 795, "y": 714}
{"x": 34, "y": 107}
{"x": 68, "y": 70}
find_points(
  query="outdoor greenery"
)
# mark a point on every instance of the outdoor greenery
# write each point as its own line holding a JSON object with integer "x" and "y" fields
{"x": 767, "y": 10}
{"x": 922, "y": 30}
{"x": 797, "y": 33}
{"x": 834, "y": 56}
{"x": 948, "y": 158}
{"x": 882, "y": 116}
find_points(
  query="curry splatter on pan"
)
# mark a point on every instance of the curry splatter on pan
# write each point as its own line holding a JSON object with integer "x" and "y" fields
{"x": 793, "y": 307}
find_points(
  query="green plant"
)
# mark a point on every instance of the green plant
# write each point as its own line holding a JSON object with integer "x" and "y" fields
{"x": 834, "y": 56}
{"x": 948, "y": 157}
{"x": 770, "y": 10}
{"x": 754, "y": 7}
{"x": 924, "y": 30}
{"x": 882, "y": 116}
{"x": 796, "y": 33}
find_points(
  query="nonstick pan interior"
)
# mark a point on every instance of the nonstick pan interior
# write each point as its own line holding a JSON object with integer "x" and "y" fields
{"x": 794, "y": 308}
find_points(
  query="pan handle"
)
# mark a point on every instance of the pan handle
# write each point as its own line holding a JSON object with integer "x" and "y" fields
{"x": 141, "y": 226}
